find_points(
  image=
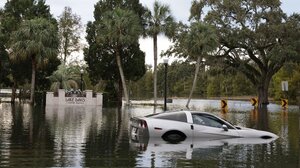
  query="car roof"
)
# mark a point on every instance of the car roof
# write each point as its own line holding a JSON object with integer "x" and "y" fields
{"x": 182, "y": 111}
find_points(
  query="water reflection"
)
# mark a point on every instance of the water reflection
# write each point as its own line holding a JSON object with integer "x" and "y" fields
{"x": 70, "y": 126}
{"x": 90, "y": 136}
{"x": 69, "y": 136}
{"x": 191, "y": 148}
{"x": 24, "y": 136}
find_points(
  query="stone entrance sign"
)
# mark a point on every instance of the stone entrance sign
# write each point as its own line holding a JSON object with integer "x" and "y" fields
{"x": 74, "y": 99}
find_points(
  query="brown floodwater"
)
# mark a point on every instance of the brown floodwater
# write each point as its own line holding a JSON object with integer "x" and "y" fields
{"x": 76, "y": 136}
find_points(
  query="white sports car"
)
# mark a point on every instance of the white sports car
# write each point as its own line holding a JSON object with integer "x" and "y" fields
{"x": 177, "y": 126}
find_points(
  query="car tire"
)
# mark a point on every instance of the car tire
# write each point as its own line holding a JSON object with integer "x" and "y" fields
{"x": 174, "y": 136}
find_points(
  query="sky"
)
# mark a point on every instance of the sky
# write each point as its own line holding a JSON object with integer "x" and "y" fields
{"x": 179, "y": 8}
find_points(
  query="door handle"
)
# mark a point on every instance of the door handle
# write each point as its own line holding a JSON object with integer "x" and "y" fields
{"x": 192, "y": 127}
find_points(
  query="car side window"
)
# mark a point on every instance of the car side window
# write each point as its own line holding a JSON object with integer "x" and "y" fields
{"x": 198, "y": 120}
{"x": 173, "y": 116}
{"x": 207, "y": 120}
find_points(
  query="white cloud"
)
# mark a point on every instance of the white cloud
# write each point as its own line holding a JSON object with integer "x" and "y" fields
{"x": 146, "y": 45}
{"x": 83, "y": 8}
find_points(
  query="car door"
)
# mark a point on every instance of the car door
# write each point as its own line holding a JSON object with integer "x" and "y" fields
{"x": 167, "y": 122}
{"x": 208, "y": 126}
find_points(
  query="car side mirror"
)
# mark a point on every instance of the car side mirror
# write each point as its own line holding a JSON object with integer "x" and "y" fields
{"x": 225, "y": 128}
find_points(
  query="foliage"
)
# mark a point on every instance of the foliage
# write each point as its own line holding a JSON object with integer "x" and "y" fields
{"x": 36, "y": 40}
{"x": 159, "y": 22}
{"x": 65, "y": 77}
{"x": 69, "y": 31}
{"x": 42, "y": 75}
{"x": 142, "y": 88}
{"x": 194, "y": 42}
{"x": 4, "y": 66}
{"x": 214, "y": 87}
{"x": 15, "y": 12}
{"x": 179, "y": 77}
{"x": 101, "y": 56}
{"x": 211, "y": 83}
{"x": 290, "y": 73}
{"x": 241, "y": 86}
{"x": 119, "y": 28}
{"x": 255, "y": 37}
{"x": 228, "y": 84}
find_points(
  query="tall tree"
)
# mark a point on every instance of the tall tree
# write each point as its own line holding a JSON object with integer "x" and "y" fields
{"x": 158, "y": 22}
{"x": 4, "y": 60}
{"x": 101, "y": 60}
{"x": 69, "y": 28}
{"x": 4, "y": 67}
{"x": 194, "y": 42}
{"x": 119, "y": 28}
{"x": 44, "y": 71}
{"x": 200, "y": 40}
{"x": 255, "y": 37}
{"x": 14, "y": 13}
{"x": 36, "y": 40}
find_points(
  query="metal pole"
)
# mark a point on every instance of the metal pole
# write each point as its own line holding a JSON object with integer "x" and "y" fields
{"x": 165, "y": 102}
{"x": 81, "y": 81}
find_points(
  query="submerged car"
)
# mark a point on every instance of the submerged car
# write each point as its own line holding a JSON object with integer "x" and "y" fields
{"x": 177, "y": 126}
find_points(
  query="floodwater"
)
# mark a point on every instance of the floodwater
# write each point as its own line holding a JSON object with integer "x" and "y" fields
{"x": 76, "y": 136}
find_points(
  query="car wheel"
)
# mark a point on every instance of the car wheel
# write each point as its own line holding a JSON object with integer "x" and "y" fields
{"x": 174, "y": 136}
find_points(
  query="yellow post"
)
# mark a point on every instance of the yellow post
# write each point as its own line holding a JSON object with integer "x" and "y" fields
{"x": 224, "y": 106}
{"x": 284, "y": 103}
{"x": 254, "y": 102}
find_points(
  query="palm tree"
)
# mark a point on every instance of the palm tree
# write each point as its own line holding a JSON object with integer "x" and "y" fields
{"x": 120, "y": 28}
{"x": 37, "y": 40}
{"x": 161, "y": 21}
{"x": 200, "y": 40}
{"x": 64, "y": 78}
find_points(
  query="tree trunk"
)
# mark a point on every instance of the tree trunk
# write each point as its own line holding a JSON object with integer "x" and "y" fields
{"x": 65, "y": 51}
{"x": 122, "y": 77}
{"x": 263, "y": 88}
{"x": 155, "y": 69}
{"x": 262, "y": 97}
{"x": 262, "y": 118}
{"x": 13, "y": 92}
{"x": 119, "y": 94}
{"x": 32, "y": 81}
{"x": 194, "y": 82}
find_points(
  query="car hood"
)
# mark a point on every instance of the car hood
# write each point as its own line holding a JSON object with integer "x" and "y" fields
{"x": 253, "y": 133}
